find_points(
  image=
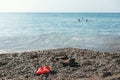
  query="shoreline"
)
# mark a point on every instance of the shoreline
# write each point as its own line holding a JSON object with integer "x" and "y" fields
{"x": 93, "y": 65}
{"x": 11, "y": 52}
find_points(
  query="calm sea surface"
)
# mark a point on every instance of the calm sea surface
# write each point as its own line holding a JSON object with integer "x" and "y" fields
{"x": 36, "y": 31}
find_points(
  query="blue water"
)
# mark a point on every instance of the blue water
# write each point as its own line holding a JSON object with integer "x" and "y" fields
{"x": 36, "y": 31}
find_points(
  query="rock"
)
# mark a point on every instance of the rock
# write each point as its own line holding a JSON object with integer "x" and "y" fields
{"x": 2, "y": 63}
{"x": 106, "y": 74}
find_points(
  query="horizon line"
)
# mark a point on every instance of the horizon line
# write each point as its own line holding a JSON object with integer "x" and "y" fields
{"x": 53, "y": 12}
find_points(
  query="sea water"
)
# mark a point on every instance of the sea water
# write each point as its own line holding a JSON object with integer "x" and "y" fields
{"x": 36, "y": 31}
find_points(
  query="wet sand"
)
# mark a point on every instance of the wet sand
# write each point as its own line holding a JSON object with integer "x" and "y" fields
{"x": 87, "y": 65}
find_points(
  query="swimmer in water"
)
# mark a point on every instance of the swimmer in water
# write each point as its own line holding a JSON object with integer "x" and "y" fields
{"x": 78, "y": 20}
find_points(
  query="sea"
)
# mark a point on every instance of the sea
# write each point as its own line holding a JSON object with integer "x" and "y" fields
{"x": 38, "y": 31}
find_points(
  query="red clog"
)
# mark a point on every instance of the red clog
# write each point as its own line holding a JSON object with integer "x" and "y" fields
{"x": 40, "y": 71}
{"x": 46, "y": 70}
{"x": 43, "y": 70}
{"x": 47, "y": 67}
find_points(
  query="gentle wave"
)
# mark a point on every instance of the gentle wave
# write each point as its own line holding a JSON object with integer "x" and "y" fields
{"x": 21, "y": 32}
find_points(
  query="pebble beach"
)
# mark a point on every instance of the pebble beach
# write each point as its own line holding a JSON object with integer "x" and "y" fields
{"x": 91, "y": 65}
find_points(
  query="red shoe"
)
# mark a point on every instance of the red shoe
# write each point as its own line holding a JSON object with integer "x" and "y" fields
{"x": 40, "y": 71}
{"x": 46, "y": 70}
{"x": 43, "y": 70}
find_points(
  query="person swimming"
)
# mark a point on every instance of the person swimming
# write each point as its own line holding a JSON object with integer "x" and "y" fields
{"x": 86, "y": 20}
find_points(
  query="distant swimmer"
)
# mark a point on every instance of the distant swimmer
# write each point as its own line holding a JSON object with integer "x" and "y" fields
{"x": 78, "y": 20}
{"x": 86, "y": 20}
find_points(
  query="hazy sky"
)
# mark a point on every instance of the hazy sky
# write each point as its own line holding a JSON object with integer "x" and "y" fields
{"x": 59, "y": 5}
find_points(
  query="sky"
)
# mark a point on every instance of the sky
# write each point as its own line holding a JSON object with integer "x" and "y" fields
{"x": 60, "y": 6}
